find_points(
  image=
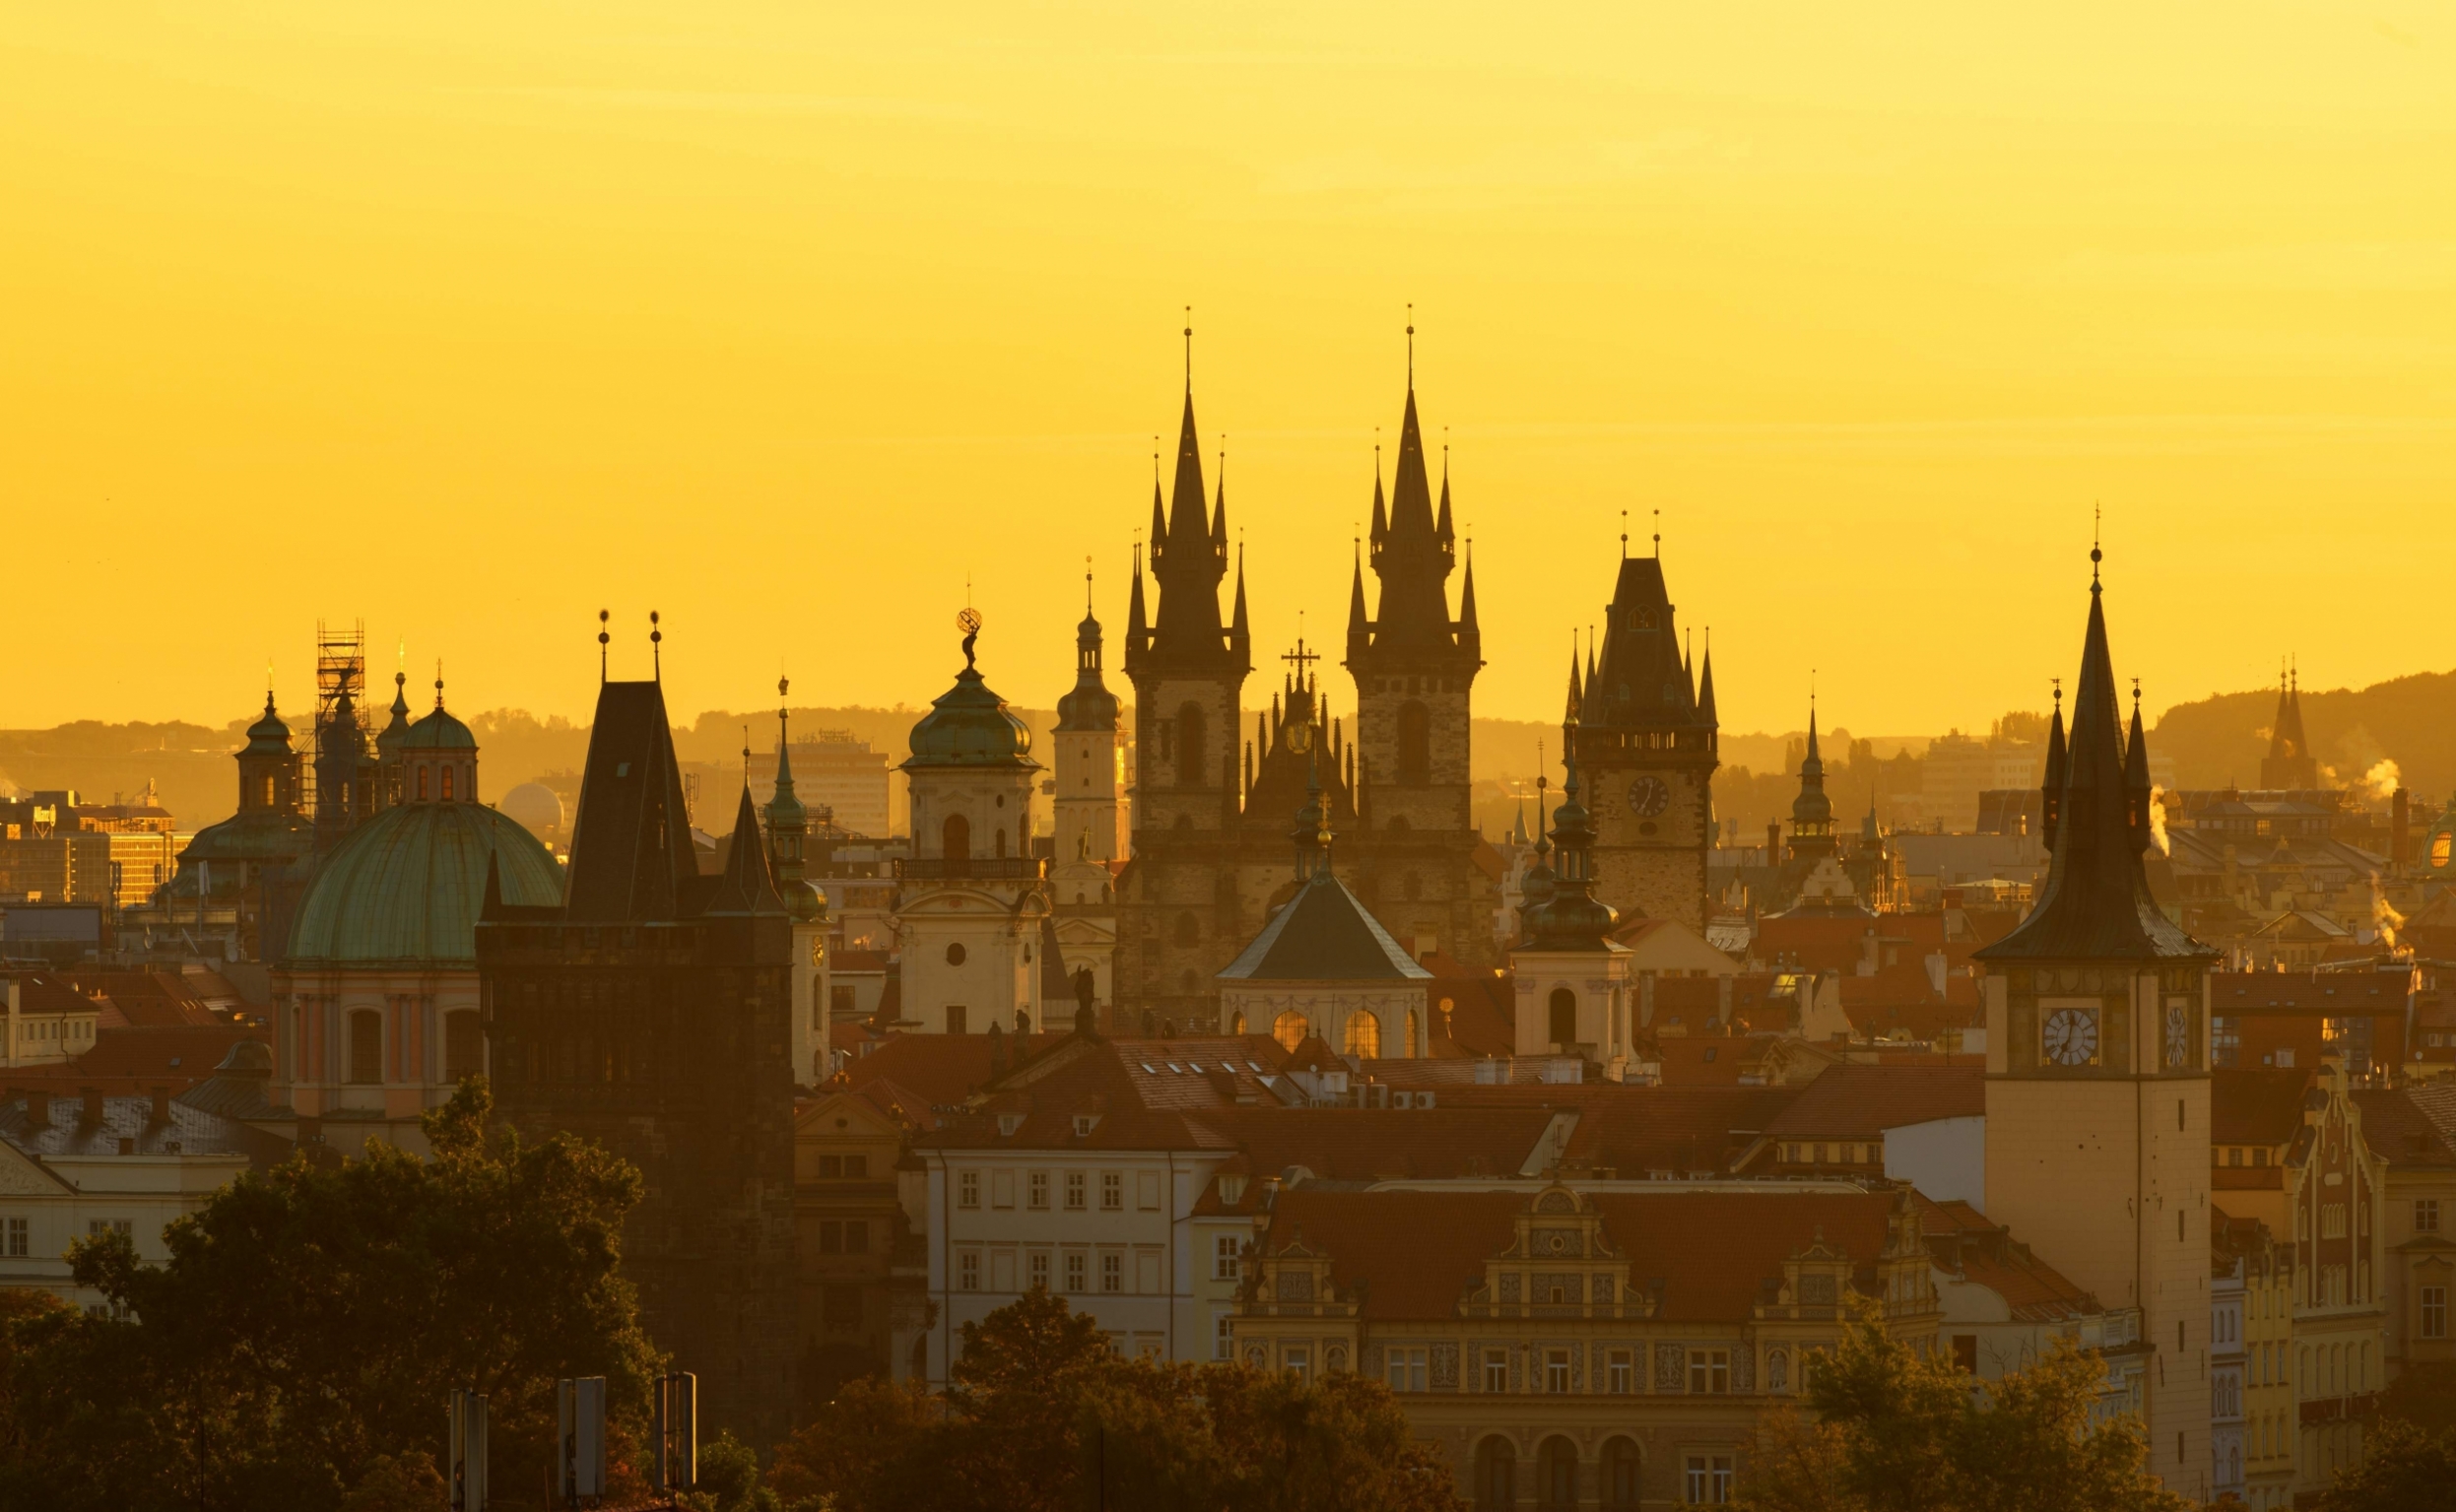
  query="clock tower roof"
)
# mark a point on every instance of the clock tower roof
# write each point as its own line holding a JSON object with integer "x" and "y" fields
{"x": 2096, "y": 903}
{"x": 1639, "y": 680}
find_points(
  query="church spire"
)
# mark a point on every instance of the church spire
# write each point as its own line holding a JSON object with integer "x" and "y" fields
{"x": 1189, "y": 557}
{"x": 1360, "y": 628}
{"x": 1705, "y": 683}
{"x": 2095, "y": 903}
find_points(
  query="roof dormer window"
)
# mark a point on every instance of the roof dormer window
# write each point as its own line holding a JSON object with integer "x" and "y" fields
{"x": 1085, "y": 1123}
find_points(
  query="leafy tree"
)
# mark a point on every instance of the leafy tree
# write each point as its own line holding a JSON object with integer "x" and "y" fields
{"x": 1903, "y": 1431}
{"x": 2404, "y": 1468}
{"x": 2423, "y": 1395}
{"x": 728, "y": 1479}
{"x": 1041, "y": 1416}
{"x": 310, "y": 1322}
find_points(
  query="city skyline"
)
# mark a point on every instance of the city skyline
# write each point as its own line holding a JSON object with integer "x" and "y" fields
{"x": 472, "y": 325}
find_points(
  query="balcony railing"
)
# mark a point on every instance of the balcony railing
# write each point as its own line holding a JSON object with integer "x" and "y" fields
{"x": 972, "y": 869}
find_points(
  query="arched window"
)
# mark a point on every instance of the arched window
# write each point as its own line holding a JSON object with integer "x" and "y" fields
{"x": 1001, "y": 843}
{"x": 464, "y": 1045}
{"x": 447, "y": 782}
{"x": 1236, "y": 1024}
{"x": 1556, "y": 1475}
{"x": 1415, "y": 745}
{"x": 1363, "y": 1036}
{"x": 422, "y": 783}
{"x": 955, "y": 839}
{"x": 1563, "y": 1017}
{"x": 1193, "y": 747}
{"x": 367, "y": 1046}
{"x": 1290, "y": 1029}
{"x": 1413, "y": 1029}
{"x": 1496, "y": 1476}
{"x": 1620, "y": 1476}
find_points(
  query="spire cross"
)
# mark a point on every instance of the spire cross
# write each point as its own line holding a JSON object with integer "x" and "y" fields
{"x": 1624, "y": 535}
{"x": 602, "y": 638}
{"x": 656, "y": 646}
{"x": 1189, "y": 349}
{"x": 745, "y": 756}
{"x": 1086, "y": 583}
{"x": 1658, "y": 535}
{"x": 439, "y": 682}
{"x": 2097, "y": 517}
{"x": 1410, "y": 346}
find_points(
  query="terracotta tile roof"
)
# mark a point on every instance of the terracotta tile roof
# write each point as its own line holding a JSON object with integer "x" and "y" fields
{"x": 859, "y": 960}
{"x": 1860, "y": 1102}
{"x": 145, "y": 998}
{"x": 1420, "y": 1251}
{"x": 946, "y": 1068}
{"x": 1690, "y": 1002}
{"x": 2256, "y": 1104}
{"x": 1482, "y": 1019}
{"x": 1815, "y": 943}
{"x": 1435, "y": 1144}
{"x": 2333, "y": 994}
{"x": 1707, "y": 1060}
{"x": 2433, "y": 1103}
{"x": 1978, "y": 1249}
{"x": 40, "y": 992}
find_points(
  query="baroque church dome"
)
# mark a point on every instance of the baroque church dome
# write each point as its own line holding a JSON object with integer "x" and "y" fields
{"x": 968, "y": 725}
{"x": 405, "y": 887}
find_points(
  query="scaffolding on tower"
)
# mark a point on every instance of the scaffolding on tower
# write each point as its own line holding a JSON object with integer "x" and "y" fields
{"x": 340, "y": 666}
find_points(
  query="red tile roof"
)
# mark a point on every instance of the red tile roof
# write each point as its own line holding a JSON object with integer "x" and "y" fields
{"x": 2330, "y": 994}
{"x": 145, "y": 998}
{"x": 2256, "y": 1104}
{"x": 1434, "y": 1143}
{"x": 1420, "y": 1251}
{"x": 946, "y": 1068}
{"x": 1860, "y": 1102}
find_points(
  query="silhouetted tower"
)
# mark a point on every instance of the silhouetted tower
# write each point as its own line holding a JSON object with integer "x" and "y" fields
{"x": 1413, "y": 665}
{"x": 1090, "y": 754}
{"x": 2290, "y": 763}
{"x": 1811, "y": 812}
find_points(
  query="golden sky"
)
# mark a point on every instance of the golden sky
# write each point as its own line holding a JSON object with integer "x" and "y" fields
{"x": 472, "y": 316}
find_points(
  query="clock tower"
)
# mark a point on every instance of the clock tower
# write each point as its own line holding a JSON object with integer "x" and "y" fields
{"x": 2097, "y": 1066}
{"x": 1648, "y": 737}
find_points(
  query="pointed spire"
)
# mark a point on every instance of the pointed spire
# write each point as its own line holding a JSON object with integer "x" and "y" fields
{"x": 1441, "y": 529}
{"x": 1138, "y": 625}
{"x": 1240, "y": 630}
{"x": 1381, "y": 509}
{"x": 1470, "y": 631}
{"x": 1360, "y": 628}
{"x": 2095, "y": 903}
{"x": 2051, "y": 790}
{"x": 1159, "y": 515}
{"x": 1219, "y": 508}
{"x": 746, "y": 887}
{"x": 1188, "y": 530}
{"x": 1577, "y": 687}
{"x": 2136, "y": 776}
{"x": 1705, "y": 683}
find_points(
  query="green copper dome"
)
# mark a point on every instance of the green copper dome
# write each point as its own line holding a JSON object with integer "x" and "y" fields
{"x": 438, "y": 731}
{"x": 968, "y": 725}
{"x": 268, "y": 736}
{"x": 403, "y": 888}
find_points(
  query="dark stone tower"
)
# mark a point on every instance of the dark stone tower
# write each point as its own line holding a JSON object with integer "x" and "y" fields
{"x": 651, "y": 1013}
{"x": 1187, "y": 670}
{"x": 1415, "y": 668}
{"x": 1811, "y": 812}
{"x": 2289, "y": 763}
{"x": 1650, "y": 741}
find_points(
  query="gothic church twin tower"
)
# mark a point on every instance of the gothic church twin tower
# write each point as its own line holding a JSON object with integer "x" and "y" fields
{"x": 1213, "y": 801}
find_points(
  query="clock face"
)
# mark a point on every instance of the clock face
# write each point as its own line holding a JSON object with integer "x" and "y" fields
{"x": 2178, "y": 1038}
{"x": 1648, "y": 797}
{"x": 2072, "y": 1036}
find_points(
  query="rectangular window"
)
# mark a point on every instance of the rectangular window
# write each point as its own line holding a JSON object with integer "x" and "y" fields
{"x": 1709, "y": 1371}
{"x": 968, "y": 1270}
{"x": 1224, "y": 1336}
{"x": 17, "y": 1239}
{"x": 831, "y": 1167}
{"x": 1074, "y": 1271}
{"x": 1299, "y": 1361}
{"x": 1496, "y": 1370}
{"x": 1037, "y": 1192}
{"x": 1621, "y": 1374}
{"x": 967, "y": 1189}
{"x": 2434, "y": 1312}
{"x": 1408, "y": 1369}
{"x": 2426, "y": 1215}
{"x": 1112, "y": 1272}
{"x": 1002, "y": 1189}
{"x": 1224, "y": 1265}
{"x": 1074, "y": 1191}
{"x": 1037, "y": 1269}
{"x": 1112, "y": 1192}
{"x": 1556, "y": 1373}
{"x": 1709, "y": 1479}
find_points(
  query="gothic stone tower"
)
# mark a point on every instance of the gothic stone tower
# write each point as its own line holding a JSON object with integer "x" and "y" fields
{"x": 2098, "y": 1069}
{"x": 1648, "y": 739}
{"x": 1187, "y": 672}
{"x": 651, "y": 1013}
{"x": 2289, "y": 763}
{"x": 1415, "y": 668}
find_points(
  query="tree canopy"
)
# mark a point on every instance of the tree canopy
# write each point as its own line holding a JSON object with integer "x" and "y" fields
{"x": 1899, "y": 1429}
{"x": 1041, "y": 1416}
{"x": 301, "y": 1338}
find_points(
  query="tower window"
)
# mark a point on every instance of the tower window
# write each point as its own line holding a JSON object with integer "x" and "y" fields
{"x": 1415, "y": 745}
{"x": 1192, "y": 747}
{"x": 422, "y": 783}
{"x": 447, "y": 784}
{"x": 955, "y": 839}
{"x": 1563, "y": 1017}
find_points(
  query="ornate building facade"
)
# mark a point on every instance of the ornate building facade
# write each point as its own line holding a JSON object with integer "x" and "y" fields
{"x": 1211, "y": 858}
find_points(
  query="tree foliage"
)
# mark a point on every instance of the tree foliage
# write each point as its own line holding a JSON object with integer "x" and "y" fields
{"x": 1899, "y": 1429}
{"x": 309, "y": 1324}
{"x": 1041, "y": 1416}
{"x": 2407, "y": 1467}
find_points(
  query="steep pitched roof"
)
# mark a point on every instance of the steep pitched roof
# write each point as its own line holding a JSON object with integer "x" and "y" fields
{"x": 630, "y": 841}
{"x": 1325, "y": 935}
{"x": 1853, "y": 1101}
{"x": 2095, "y": 905}
{"x": 746, "y": 887}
